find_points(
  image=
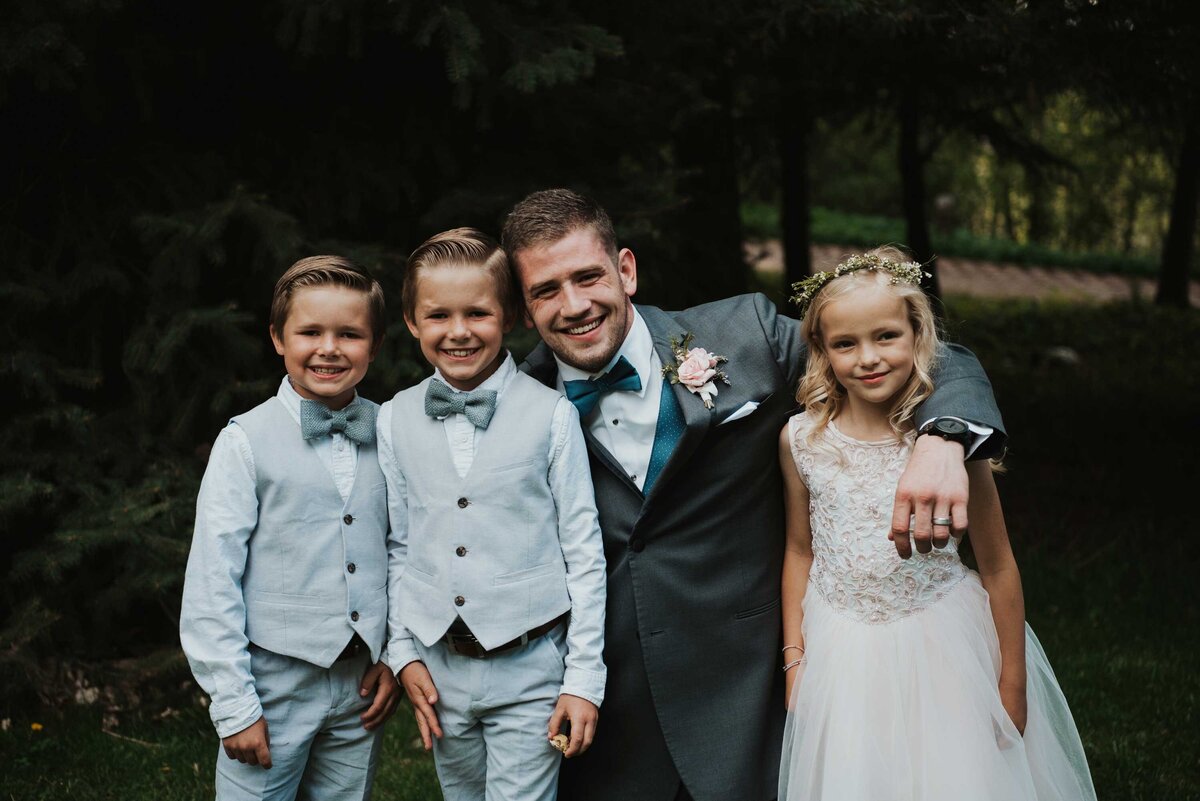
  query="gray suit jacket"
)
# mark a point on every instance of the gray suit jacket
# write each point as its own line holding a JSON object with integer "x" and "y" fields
{"x": 695, "y": 691}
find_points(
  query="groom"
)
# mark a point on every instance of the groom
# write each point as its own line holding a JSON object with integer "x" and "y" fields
{"x": 691, "y": 508}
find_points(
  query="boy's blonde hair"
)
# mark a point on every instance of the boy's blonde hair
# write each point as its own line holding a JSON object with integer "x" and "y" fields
{"x": 327, "y": 271}
{"x": 460, "y": 247}
{"x": 820, "y": 393}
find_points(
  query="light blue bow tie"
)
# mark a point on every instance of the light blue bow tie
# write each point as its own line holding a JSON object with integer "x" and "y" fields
{"x": 356, "y": 421}
{"x": 478, "y": 405}
{"x": 586, "y": 394}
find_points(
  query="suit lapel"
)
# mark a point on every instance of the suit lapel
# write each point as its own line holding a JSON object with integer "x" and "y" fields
{"x": 540, "y": 364}
{"x": 697, "y": 419}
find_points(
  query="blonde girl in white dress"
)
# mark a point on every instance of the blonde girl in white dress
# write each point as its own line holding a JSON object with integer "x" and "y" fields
{"x": 906, "y": 679}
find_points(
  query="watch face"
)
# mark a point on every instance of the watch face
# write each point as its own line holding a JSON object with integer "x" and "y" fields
{"x": 951, "y": 427}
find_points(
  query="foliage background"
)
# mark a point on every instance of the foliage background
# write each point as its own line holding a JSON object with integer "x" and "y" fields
{"x": 163, "y": 163}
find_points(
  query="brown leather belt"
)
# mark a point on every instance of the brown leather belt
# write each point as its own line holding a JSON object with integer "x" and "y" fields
{"x": 465, "y": 644}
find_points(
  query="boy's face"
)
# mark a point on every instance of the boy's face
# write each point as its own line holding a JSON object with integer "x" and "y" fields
{"x": 460, "y": 324}
{"x": 326, "y": 343}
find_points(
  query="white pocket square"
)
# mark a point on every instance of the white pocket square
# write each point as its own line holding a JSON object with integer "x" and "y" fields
{"x": 746, "y": 410}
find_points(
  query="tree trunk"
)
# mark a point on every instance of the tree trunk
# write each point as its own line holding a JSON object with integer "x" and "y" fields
{"x": 709, "y": 226}
{"x": 1129, "y": 224}
{"x": 795, "y": 125}
{"x": 912, "y": 178}
{"x": 1039, "y": 206}
{"x": 1039, "y": 214}
{"x": 1179, "y": 245}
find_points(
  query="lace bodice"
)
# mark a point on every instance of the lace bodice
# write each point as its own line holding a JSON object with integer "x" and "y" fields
{"x": 851, "y": 486}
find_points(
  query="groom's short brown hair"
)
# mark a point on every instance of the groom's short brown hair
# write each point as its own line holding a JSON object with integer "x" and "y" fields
{"x": 549, "y": 215}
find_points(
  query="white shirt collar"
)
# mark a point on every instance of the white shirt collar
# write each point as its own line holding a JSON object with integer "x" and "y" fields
{"x": 498, "y": 380}
{"x": 638, "y": 350}
{"x": 291, "y": 398}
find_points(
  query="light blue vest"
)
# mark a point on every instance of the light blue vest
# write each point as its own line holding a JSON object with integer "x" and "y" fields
{"x": 485, "y": 547}
{"x": 316, "y": 572}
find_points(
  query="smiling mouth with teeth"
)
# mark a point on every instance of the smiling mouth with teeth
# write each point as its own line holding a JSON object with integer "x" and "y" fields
{"x": 583, "y": 329}
{"x": 328, "y": 370}
{"x": 462, "y": 354}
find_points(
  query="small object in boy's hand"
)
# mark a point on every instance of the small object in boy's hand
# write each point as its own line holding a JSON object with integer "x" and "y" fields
{"x": 560, "y": 742}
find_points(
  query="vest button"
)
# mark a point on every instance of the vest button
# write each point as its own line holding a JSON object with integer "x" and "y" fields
{"x": 348, "y": 519}
{"x": 637, "y": 545}
{"x": 354, "y": 616}
{"x": 461, "y": 550}
{"x": 350, "y": 568}
{"x": 462, "y": 503}
{"x": 459, "y": 600}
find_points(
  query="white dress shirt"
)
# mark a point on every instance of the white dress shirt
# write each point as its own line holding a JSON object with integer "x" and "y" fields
{"x": 570, "y": 484}
{"x": 624, "y": 422}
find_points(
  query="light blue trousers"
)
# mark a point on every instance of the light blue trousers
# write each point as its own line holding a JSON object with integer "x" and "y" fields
{"x": 495, "y": 713}
{"x": 319, "y": 748}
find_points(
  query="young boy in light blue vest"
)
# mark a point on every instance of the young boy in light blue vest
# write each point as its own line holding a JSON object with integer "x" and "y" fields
{"x": 496, "y": 567}
{"x": 285, "y": 597}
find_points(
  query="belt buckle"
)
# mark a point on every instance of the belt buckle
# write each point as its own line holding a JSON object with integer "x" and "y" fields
{"x": 465, "y": 645}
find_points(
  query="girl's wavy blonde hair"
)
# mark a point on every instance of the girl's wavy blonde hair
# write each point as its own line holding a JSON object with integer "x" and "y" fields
{"x": 821, "y": 394}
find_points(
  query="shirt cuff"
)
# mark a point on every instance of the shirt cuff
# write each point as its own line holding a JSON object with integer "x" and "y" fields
{"x": 401, "y": 653}
{"x": 585, "y": 684}
{"x": 230, "y": 717}
{"x": 981, "y": 432}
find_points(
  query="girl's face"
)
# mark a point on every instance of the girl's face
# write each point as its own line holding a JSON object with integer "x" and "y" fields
{"x": 867, "y": 336}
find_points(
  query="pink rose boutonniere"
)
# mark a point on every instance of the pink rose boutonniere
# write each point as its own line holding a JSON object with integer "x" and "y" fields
{"x": 695, "y": 368}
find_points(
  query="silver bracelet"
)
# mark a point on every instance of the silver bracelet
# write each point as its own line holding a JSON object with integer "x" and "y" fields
{"x": 792, "y": 664}
{"x": 786, "y": 647}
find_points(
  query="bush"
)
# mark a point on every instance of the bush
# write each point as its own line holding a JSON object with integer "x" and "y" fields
{"x": 761, "y": 221}
{"x": 116, "y": 411}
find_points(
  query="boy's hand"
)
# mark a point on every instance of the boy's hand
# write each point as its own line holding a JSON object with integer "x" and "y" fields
{"x": 251, "y": 745}
{"x": 1015, "y": 704}
{"x": 380, "y": 679}
{"x": 583, "y": 716}
{"x": 418, "y": 685}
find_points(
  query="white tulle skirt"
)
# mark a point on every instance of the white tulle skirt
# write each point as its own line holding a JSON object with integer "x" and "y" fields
{"x": 910, "y": 711}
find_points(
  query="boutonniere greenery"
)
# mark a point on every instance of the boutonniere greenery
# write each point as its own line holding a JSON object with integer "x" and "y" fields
{"x": 695, "y": 368}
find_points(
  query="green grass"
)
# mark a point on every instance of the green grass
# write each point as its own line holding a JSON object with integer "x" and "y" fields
{"x": 761, "y": 221}
{"x": 171, "y": 760}
{"x": 1098, "y": 499}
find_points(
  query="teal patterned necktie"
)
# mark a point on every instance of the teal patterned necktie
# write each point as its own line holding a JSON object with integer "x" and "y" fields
{"x": 356, "y": 421}
{"x": 586, "y": 394}
{"x": 478, "y": 405}
{"x": 667, "y": 431}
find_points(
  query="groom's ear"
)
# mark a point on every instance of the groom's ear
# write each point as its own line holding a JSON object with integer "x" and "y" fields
{"x": 627, "y": 269}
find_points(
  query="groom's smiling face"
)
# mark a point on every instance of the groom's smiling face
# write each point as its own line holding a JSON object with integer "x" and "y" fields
{"x": 578, "y": 299}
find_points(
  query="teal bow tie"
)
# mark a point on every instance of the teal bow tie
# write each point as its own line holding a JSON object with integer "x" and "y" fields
{"x": 356, "y": 421}
{"x": 478, "y": 405}
{"x": 586, "y": 394}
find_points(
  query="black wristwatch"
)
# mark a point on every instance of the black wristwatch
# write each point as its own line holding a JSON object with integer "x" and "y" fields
{"x": 950, "y": 428}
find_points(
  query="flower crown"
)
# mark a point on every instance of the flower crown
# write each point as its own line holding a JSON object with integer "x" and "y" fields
{"x": 908, "y": 272}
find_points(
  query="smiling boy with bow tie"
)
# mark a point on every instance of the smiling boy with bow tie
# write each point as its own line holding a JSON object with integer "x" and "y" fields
{"x": 496, "y": 571}
{"x": 285, "y": 600}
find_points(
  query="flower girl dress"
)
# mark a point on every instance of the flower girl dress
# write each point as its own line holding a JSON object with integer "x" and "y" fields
{"x": 898, "y": 697}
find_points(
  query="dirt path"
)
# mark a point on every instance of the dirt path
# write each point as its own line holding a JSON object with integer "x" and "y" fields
{"x": 990, "y": 279}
